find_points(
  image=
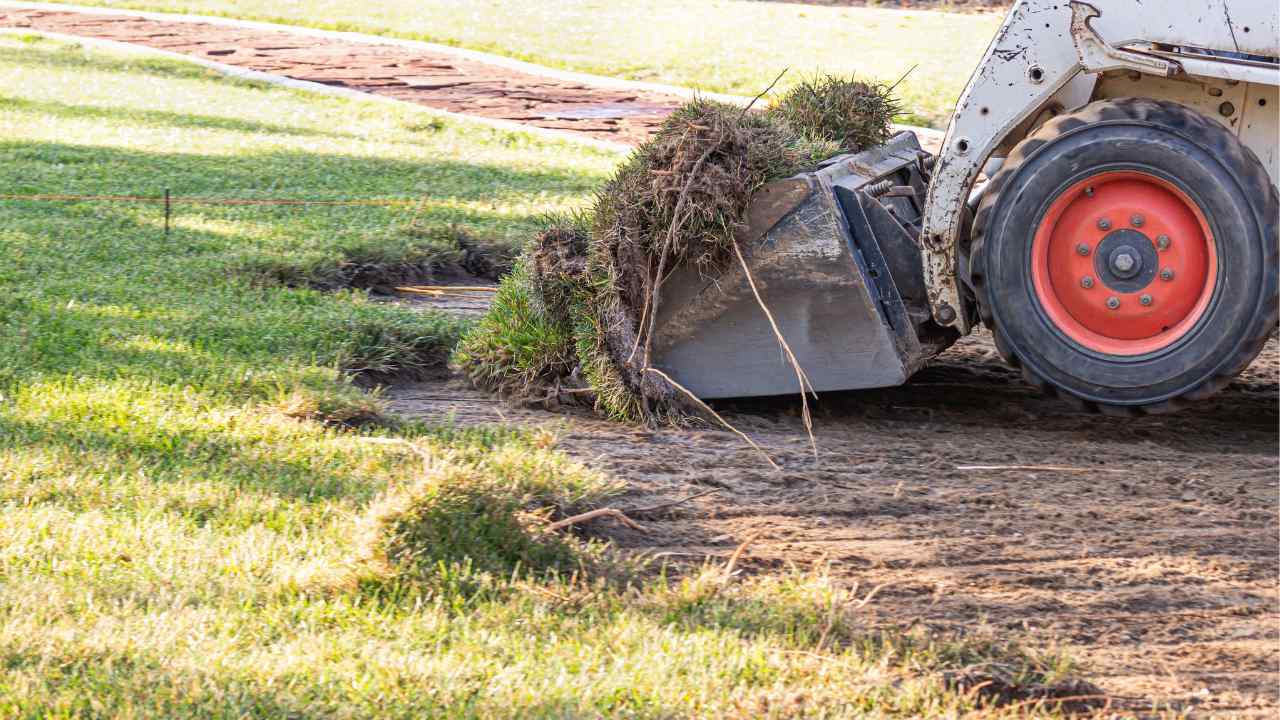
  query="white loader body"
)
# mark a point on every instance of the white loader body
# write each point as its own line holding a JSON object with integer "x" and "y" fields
{"x": 1052, "y": 57}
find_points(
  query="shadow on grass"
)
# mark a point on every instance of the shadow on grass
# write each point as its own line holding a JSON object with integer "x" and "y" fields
{"x": 96, "y": 293}
{"x": 41, "y": 54}
{"x": 46, "y": 167}
{"x": 241, "y": 463}
{"x": 154, "y": 118}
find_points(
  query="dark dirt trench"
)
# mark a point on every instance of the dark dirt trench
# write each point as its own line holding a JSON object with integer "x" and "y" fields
{"x": 1146, "y": 547}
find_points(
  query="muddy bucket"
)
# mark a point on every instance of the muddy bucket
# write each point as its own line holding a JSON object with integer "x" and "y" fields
{"x": 833, "y": 254}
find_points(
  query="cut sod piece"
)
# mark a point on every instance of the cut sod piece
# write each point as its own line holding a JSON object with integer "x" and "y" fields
{"x": 594, "y": 282}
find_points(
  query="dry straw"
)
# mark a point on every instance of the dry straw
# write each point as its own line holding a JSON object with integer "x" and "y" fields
{"x": 594, "y": 282}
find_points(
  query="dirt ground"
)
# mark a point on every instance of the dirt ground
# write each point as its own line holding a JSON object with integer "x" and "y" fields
{"x": 1146, "y": 547}
{"x": 439, "y": 80}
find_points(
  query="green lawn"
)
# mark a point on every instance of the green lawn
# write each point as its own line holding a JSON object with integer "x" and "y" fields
{"x": 181, "y": 533}
{"x": 716, "y": 45}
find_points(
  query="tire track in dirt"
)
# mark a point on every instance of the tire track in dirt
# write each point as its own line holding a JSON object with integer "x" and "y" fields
{"x": 1154, "y": 564}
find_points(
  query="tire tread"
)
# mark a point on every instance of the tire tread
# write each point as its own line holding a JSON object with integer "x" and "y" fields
{"x": 1195, "y": 127}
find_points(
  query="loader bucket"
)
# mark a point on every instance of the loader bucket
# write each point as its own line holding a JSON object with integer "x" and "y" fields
{"x": 833, "y": 255}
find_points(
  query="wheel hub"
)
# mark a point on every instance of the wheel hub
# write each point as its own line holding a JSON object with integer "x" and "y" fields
{"x": 1126, "y": 260}
{"x": 1124, "y": 263}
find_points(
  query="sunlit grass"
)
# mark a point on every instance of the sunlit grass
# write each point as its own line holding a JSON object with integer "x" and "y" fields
{"x": 183, "y": 479}
{"x": 716, "y": 45}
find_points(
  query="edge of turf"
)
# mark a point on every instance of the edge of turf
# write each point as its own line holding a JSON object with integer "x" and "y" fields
{"x": 370, "y": 39}
{"x": 373, "y": 39}
{"x": 317, "y": 88}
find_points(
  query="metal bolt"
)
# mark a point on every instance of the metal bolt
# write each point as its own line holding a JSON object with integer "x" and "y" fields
{"x": 1104, "y": 224}
{"x": 1113, "y": 302}
{"x": 1166, "y": 274}
{"x": 1227, "y": 109}
{"x": 1162, "y": 242}
{"x": 1086, "y": 282}
{"x": 1088, "y": 191}
{"x": 1145, "y": 300}
{"x": 1124, "y": 262}
{"x": 1082, "y": 249}
{"x": 1137, "y": 221}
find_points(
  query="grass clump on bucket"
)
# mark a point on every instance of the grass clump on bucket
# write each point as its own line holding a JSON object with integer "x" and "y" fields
{"x": 852, "y": 114}
{"x": 589, "y": 288}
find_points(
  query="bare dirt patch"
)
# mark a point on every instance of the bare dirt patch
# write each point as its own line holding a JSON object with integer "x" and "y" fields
{"x": 438, "y": 80}
{"x": 1147, "y": 546}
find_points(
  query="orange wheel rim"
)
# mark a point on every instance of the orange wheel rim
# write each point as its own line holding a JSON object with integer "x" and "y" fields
{"x": 1124, "y": 263}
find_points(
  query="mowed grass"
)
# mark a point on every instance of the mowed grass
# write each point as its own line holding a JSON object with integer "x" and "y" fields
{"x": 182, "y": 534}
{"x": 716, "y": 45}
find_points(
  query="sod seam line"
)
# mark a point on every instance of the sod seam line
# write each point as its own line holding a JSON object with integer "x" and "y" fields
{"x": 601, "y": 81}
{"x": 320, "y": 88}
{"x": 372, "y": 39}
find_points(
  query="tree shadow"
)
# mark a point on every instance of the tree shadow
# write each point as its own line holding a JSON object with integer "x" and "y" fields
{"x": 153, "y": 118}
{"x": 48, "y": 167}
{"x": 98, "y": 292}
{"x": 61, "y": 55}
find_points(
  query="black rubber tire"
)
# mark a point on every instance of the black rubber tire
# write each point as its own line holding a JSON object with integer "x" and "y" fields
{"x": 1206, "y": 162}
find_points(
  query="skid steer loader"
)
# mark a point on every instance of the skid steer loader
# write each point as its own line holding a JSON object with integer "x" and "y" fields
{"x": 1104, "y": 202}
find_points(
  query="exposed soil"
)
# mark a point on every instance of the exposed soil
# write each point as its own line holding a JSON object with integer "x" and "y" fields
{"x": 440, "y": 80}
{"x": 1151, "y": 554}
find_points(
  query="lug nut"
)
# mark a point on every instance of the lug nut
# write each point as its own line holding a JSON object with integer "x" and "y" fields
{"x": 1086, "y": 282}
{"x": 1082, "y": 249}
{"x": 1137, "y": 221}
{"x": 1145, "y": 300}
{"x": 1113, "y": 302}
{"x": 1166, "y": 274}
{"x": 1104, "y": 224}
{"x": 1162, "y": 242}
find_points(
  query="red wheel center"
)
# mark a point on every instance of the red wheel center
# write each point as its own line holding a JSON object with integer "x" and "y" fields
{"x": 1124, "y": 263}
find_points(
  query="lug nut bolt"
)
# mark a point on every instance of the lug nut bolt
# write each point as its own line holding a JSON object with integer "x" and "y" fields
{"x": 1166, "y": 274}
{"x": 1145, "y": 300}
{"x": 1082, "y": 249}
{"x": 1104, "y": 224}
{"x": 1137, "y": 221}
{"x": 1113, "y": 302}
{"x": 1086, "y": 282}
{"x": 1088, "y": 191}
{"x": 1162, "y": 242}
